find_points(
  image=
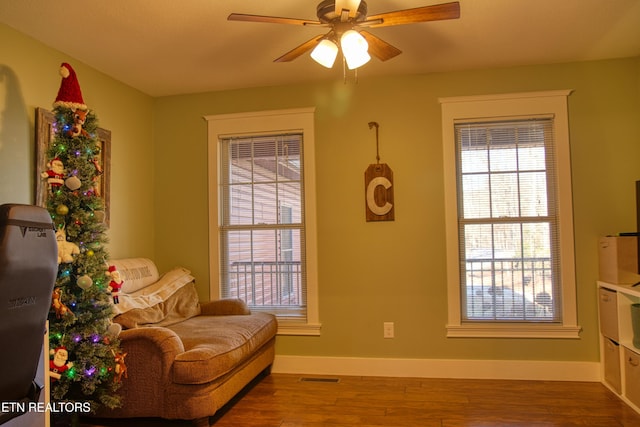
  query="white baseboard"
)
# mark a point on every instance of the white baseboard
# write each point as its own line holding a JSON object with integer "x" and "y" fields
{"x": 439, "y": 368}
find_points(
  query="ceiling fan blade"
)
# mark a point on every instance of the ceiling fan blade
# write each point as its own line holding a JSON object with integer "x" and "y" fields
{"x": 380, "y": 48}
{"x": 300, "y": 50}
{"x": 270, "y": 19}
{"x": 350, "y": 5}
{"x": 419, "y": 14}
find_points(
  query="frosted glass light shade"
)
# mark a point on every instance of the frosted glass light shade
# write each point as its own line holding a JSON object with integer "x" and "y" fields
{"x": 354, "y": 49}
{"x": 325, "y": 53}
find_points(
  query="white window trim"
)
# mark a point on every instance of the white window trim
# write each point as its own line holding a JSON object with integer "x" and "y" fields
{"x": 497, "y": 106}
{"x": 261, "y": 122}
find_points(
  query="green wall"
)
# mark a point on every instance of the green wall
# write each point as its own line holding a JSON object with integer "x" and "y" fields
{"x": 29, "y": 78}
{"x": 395, "y": 271}
{"x": 368, "y": 272}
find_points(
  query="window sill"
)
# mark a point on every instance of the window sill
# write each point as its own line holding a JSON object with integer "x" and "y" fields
{"x": 508, "y": 330}
{"x": 286, "y": 327}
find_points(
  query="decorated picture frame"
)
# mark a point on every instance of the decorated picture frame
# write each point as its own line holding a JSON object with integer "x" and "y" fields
{"x": 44, "y": 136}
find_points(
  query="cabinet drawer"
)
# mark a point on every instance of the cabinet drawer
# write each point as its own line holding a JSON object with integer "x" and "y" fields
{"x": 612, "y": 365}
{"x": 632, "y": 376}
{"x": 608, "y": 305}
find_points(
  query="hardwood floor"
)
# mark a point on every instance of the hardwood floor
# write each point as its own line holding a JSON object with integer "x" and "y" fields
{"x": 287, "y": 401}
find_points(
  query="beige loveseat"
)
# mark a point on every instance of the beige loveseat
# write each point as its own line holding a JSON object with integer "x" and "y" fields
{"x": 184, "y": 359}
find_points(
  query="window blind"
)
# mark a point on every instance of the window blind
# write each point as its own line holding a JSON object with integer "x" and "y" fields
{"x": 262, "y": 228}
{"x": 507, "y": 220}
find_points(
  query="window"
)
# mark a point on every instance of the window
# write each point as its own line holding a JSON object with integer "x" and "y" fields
{"x": 262, "y": 222}
{"x": 262, "y": 200}
{"x": 510, "y": 262}
{"x": 507, "y": 225}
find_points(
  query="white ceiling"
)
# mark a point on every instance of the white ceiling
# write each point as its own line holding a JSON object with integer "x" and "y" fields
{"x": 168, "y": 47}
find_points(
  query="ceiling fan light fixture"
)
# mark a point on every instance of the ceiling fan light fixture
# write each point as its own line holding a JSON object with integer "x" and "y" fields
{"x": 345, "y": 18}
{"x": 325, "y": 53}
{"x": 357, "y": 60}
{"x": 355, "y": 49}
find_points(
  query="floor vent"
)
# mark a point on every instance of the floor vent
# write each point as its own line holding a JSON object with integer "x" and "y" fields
{"x": 319, "y": 380}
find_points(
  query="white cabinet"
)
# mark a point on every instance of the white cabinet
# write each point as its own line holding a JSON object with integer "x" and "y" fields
{"x": 620, "y": 358}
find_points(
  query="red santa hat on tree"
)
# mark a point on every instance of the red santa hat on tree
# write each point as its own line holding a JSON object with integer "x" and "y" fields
{"x": 69, "y": 94}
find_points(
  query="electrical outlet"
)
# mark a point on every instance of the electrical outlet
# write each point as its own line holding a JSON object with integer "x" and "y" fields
{"x": 388, "y": 330}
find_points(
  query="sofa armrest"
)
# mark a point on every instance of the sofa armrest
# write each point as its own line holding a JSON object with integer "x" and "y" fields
{"x": 157, "y": 336}
{"x": 150, "y": 353}
{"x": 154, "y": 343}
{"x": 224, "y": 307}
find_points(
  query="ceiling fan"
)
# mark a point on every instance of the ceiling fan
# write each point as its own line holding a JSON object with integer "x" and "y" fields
{"x": 346, "y": 20}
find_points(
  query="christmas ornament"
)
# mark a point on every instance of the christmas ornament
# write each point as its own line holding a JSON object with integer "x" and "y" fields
{"x": 69, "y": 94}
{"x": 115, "y": 284}
{"x": 79, "y": 117}
{"x": 59, "y": 365}
{"x": 96, "y": 179}
{"x": 85, "y": 282}
{"x": 121, "y": 368}
{"x": 96, "y": 164}
{"x": 56, "y": 302}
{"x": 113, "y": 331}
{"x": 66, "y": 250}
{"x": 55, "y": 174}
{"x": 73, "y": 183}
{"x": 62, "y": 209}
{"x": 100, "y": 216}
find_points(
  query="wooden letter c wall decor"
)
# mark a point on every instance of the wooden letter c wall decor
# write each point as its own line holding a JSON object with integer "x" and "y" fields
{"x": 378, "y": 182}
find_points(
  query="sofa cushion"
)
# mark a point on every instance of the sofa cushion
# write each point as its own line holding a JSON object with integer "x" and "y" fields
{"x": 215, "y": 345}
{"x": 137, "y": 273}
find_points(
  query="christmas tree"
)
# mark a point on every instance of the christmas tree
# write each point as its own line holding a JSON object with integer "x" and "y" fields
{"x": 83, "y": 341}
